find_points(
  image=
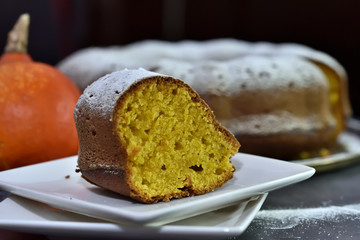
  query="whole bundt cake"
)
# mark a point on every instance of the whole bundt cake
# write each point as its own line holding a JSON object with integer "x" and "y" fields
{"x": 280, "y": 100}
{"x": 276, "y": 106}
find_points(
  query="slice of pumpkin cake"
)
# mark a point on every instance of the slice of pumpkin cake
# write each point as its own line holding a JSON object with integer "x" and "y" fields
{"x": 151, "y": 137}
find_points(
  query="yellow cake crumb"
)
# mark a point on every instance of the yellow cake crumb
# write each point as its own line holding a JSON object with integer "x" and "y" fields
{"x": 171, "y": 142}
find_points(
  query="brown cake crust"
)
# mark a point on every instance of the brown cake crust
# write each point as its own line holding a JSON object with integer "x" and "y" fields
{"x": 103, "y": 159}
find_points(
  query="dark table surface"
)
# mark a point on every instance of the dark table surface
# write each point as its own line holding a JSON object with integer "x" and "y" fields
{"x": 326, "y": 206}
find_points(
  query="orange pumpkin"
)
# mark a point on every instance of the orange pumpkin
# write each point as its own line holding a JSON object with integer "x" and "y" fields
{"x": 36, "y": 106}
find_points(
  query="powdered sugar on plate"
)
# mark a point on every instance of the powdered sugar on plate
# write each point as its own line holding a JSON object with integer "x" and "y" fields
{"x": 328, "y": 222}
{"x": 288, "y": 218}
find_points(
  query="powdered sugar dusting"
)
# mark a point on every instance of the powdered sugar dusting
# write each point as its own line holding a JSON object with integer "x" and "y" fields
{"x": 101, "y": 95}
{"x": 147, "y": 53}
{"x": 277, "y": 122}
{"x": 253, "y": 72}
{"x": 289, "y": 218}
{"x": 331, "y": 222}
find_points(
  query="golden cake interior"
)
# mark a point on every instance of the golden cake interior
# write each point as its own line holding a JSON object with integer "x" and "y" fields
{"x": 341, "y": 110}
{"x": 173, "y": 146}
{"x": 336, "y": 96}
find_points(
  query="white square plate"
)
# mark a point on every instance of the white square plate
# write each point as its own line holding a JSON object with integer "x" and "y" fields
{"x": 23, "y": 215}
{"x": 56, "y": 183}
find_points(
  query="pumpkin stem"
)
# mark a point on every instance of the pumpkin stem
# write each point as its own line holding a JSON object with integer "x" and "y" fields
{"x": 18, "y": 36}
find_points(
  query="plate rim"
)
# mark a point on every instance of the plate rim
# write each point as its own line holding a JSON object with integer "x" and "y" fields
{"x": 336, "y": 160}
